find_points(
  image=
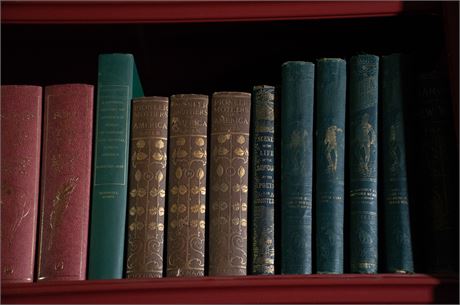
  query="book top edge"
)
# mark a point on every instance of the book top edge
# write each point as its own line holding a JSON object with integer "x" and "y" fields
{"x": 263, "y": 87}
{"x": 151, "y": 98}
{"x": 325, "y": 59}
{"x": 70, "y": 85}
{"x": 189, "y": 95}
{"x": 231, "y": 93}
{"x": 306, "y": 63}
{"x": 21, "y": 86}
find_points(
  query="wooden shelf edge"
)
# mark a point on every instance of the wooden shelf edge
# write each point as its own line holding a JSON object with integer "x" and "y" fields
{"x": 348, "y": 288}
{"x": 198, "y": 11}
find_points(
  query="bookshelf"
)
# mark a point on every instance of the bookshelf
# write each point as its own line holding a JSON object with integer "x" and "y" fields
{"x": 202, "y": 47}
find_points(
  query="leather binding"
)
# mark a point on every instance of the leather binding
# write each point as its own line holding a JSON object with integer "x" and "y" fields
{"x": 230, "y": 118}
{"x": 147, "y": 185}
{"x": 364, "y": 80}
{"x": 330, "y": 164}
{"x": 296, "y": 166}
{"x": 21, "y": 126}
{"x": 65, "y": 182}
{"x": 263, "y": 177}
{"x": 187, "y": 185}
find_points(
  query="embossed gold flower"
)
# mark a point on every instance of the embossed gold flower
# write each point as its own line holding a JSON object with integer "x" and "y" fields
{"x": 173, "y": 224}
{"x": 174, "y": 190}
{"x": 132, "y": 211}
{"x": 133, "y": 193}
{"x": 178, "y": 172}
{"x": 222, "y": 151}
{"x": 224, "y": 187}
{"x": 236, "y": 221}
{"x": 195, "y": 208}
{"x": 240, "y": 140}
{"x": 141, "y": 156}
{"x": 153, "y": 211}
{"x": 161, "y": 227}
{"x": 140, "y": 211}
{"x": 138, "y": 175}
{"x": 223, "y": 220}
{"x": 244, "y": 188}
{"x": 198, "y": 154}
{"x": 182, "y": 208}
{"x": 223, "y": 138}
{"x": 202, "y": 224}
{"x": 223, "y": 205}
{"x": 220, "y": 170}
{"x": 132, "y": 227}
{"x": 200, "y": 173}
{"x": 139, "y": 225}
{"x": 181, "y": 153}
{"x": 244, "y": 207}
{"x": 180, "y": 141}
{"x": 238, "y": 151}
{"x": 241, "y": 172}
{"x": 141, "y": 192}
{"x": 182, "y": 189}
{"x": 157, "y": 192}
{"x": 161, "y": 211}
{"x": 152, "y": 226}
{"x": 199, "y": 141}
{"x": 157, "y": 156}
{"x": 202, "y": 209}
{"x": 159, "y": 176}
{"x": 194, "y": 223}
{"x": 236, "y": 206}
{"x": 159, "y": 144}
{"x": 173, "y": 208}
{"x": 140, "y": 144}
{"x": 244, "y": 222}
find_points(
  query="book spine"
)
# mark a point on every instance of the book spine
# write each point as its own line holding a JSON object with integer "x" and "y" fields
{"x": 436, "y": 165}
{"x": 296, "y": 166}
{"x": 364, "y": 70}
{"x": 263, "y": 177}
{"x": 330, "y": 164}
{"x": 21, "y": 121}
{"x": 147, "y": 184}
{"x": 187, "y": 185}
{"x": 110, "y": 175}
{"x": 229, "y": 183}
{"x": 65, "y": 182}
{"x": 398, "y": 241}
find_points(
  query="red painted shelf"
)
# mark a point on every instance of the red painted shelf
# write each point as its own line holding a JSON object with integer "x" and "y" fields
{"x": 200, "y": 11}
{"x": 348, "y": 288}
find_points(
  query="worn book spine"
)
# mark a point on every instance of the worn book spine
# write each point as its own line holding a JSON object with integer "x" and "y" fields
{"x": 263, "y": 177}
{"x": 296, "y": 166}
{"x": 21, "y": 126}
{"x": 147, "y": 184}
{"x": 364, "y": 72}
{"x": 65, "y": 182}
{"x": 117, "y": 85}
{"x": 398, "y": 241}
{"x": 229, "y": 183}
{"x": 187, "y": 185}
{"x": 330, "y": 164}
{"x": 435, "y": 159}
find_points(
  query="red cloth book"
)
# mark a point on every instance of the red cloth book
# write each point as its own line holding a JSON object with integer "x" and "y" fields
{"x": 65, "y": 182}
{"x": 21, "y": 120}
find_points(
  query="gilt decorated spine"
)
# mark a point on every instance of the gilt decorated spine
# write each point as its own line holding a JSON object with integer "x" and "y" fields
{"x": 65, "y": 182}
{"x": 117, "y": 85}
{"x": 364, "y": 70}
{"x": 330, "y": 164}
{"x": 398, "y": 241}
{"x": 187, "y": 185}
{"x": 229, "y": 183}
{"x": 147, "y": 184}
{"x": 21, "y": 126}
{"x": 263, "y": 177}
{"x": 296, "y": 166}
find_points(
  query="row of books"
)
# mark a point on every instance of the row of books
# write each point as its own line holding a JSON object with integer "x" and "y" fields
{"x": 143, "y": 172}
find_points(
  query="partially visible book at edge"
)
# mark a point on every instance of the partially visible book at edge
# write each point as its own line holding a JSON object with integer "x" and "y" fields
{"x": 21, "y": 126}
{"x": 263, "y": 179}
{"x": 364, "y": 80}
{"x": 230, "y": 115}
{"x": 395, "y": 94}
{"x": 147, "y": 187}
{"x": 118, "y": 83}
{"x": 297, "y": 79}
{"x": 187, "y": 185}
{"x": 331, "y": 76}
{"x": 435, "y": 166}
{"x": 65, "y": 182}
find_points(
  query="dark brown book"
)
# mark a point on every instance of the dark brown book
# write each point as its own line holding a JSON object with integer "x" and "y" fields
{"x": 187, "y": 185}
{"x": 229, "y": 183}
{"x": 147, "y": 183}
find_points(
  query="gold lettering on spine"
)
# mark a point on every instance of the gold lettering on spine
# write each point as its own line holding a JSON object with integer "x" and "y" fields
{"x": 147, "y": 180}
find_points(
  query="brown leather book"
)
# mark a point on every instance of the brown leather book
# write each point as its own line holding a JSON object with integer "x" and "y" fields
{"x": 229, "y": 183}
{"x": 21, "y": 126}
{"x": 65, "y": 182}
{"x": 147, "y": 183}
{"x": 187, "y": 185}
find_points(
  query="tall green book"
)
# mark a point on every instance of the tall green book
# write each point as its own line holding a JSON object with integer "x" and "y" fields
{"x": 296, "y": 166}
{"x": 364, "y": 80}
{"x": 118, "y": 83}
{"x": 331, "y": 74}
{"x": 395, "y": 89}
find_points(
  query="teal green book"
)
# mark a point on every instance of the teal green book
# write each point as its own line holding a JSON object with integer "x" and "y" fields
{"x": 118, "y": 83}
{"x": 331, "y": 75}
{"x": 364, "y": 81}
{"x": 395, "y": 89}
{"x": 263, "y": 177}
{"x": 297, "y": 94}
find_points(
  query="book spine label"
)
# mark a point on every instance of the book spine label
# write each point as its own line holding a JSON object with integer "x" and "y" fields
{"x": 147, "y": 184}
{"x": 187, "y": 185}
{"x": 398, "y": 242}
{"x": 330, "y": 164}
{"x": 364, "y": 70}
{"x": 21, "y": 121}
{"x": 110, "y": 173}
{"x": 263, "y": 177}
{"x": 296, "y": 166}
{"x": 65, "y": 182}
{"x": 436, "y": 166}
{"x": 229, "y": 183}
